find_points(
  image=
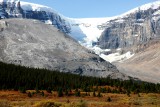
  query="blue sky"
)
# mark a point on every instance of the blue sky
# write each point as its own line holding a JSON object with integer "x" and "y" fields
{"x": 91, "y": 8}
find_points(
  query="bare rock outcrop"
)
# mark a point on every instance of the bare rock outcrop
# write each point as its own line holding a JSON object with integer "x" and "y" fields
{"x": 34, "y": 44}
{"x": 132, "y": 30}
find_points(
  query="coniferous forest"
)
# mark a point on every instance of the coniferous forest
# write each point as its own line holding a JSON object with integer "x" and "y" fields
{"x": 23, "y": 78}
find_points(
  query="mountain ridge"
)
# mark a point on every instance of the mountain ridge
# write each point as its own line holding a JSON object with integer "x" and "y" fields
{"x": 82, "y": 27}
{"x": 24, "y": 42}
{"x": 126, "y": 34}
{"x": 137, "y": 33}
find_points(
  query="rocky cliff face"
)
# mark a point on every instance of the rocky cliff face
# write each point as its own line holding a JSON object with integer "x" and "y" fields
{"x": 17, "y": 9}
{"x": 35, "y": 44}
{"x": 80, "y": 29}
{"x": 134, "y": 28}
{"x": 137, "y": 31}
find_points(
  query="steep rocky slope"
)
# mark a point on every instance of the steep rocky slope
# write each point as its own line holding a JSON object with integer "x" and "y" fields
{"x": 35, "y": 44}
{"x": 137, "y": 31}
{"x": 80, "y": 29}
{"x": 133, "y": 28}
{"x": 123, "y": 37}
{"x": 20, "y": 9}
{"x": 145, "y": 64}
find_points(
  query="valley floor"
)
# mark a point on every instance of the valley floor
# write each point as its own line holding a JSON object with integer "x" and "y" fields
{"x": 17, "y": 99}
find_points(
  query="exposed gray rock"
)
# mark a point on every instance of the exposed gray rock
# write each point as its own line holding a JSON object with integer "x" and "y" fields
{"x": 134, "y": 29}
{"x": 138, "y": 32}
{"x": 144, "y": 65}
{"x": 13, "y": 9}
{"x": 34, "y": 44}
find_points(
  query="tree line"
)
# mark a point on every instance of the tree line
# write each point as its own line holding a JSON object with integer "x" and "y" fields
{"x": 24, "y": 78}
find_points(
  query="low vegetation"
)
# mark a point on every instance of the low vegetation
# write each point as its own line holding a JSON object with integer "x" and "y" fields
{"x": 17, "y": 99}
{"x": 44, "y": 88}
{"x": 23, "y": 78}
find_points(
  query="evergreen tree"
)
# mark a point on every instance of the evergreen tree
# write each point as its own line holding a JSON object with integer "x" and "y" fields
{"x": 60, "y": 92}
{"x": 66, "y": 92}
{"x": 94, "y": 94}
{"x": 128, "y": 93}
{"x": 77, "y": 93}
{"x": 22, "y": 78}
{"x": 37, "y": 90}
{"x": 108, "y": 90}
{"x": 22, "y": 89}
{"x": 109, "y": 99}
{"x": 29, "y": 94}
{"x": 99, "y": 94}
{"x": 139, "y": 95}
{"x": 49, "y": 90}
{"x": 42, "y": 93}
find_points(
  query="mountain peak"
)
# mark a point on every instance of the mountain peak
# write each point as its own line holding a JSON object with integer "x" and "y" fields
{"x": 35, "y": 7}
{"x": 152, "y": 5}
{"x": 9, "y": 1}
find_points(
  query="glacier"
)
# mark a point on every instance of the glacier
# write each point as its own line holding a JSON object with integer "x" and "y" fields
{"x": 85, "y": 30}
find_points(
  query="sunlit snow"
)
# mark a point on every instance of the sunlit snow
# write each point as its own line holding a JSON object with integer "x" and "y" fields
{"x": 99, "y": 51}
{"x": 49, "y": 22}
{"x": 87, "y": 30}
{"x": 117, "y": 57}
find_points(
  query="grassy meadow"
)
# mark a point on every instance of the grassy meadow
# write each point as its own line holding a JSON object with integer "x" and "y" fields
{"x": 18, "y": 99}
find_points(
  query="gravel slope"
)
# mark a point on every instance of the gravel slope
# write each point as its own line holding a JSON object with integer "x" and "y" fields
{"x": 35, "y": 44}
{"x": 145, "y": 64}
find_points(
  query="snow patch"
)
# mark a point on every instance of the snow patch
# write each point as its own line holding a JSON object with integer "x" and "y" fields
{"x": 113, "y": 57}
{"x": 20, "y": 40}
{"x": 35, "y": 7}
{"x": 88, "y": 27}
{"x": 140, "y": 20}
{"x": 155, "y": 18}
{"x": 93, "y": 27}
{"x": 9, "y": 1}
{"x": 119, "y": 49}
{"x": 153, "y": 5}
{"x": 139, "y": 24}
{"x": 119, "y": 21}
{"x": 98, "y": 50}
{"x": 157, "y": 12}
{"x": 117, "y": 57}
{"x": 86, "y": 30}
{"x": 48, "y": 22}
{"x": 136, "y": 35}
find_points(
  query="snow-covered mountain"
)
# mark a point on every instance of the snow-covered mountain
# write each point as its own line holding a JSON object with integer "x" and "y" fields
{"x": 89, "y": 27}
{"x": 80, "y": 29}
{"x": 29, "y": 42}
{"x": 20, "y": 9}
{"x": 93, "y": 27}
{"x": 132, "y": 30}
{"x": 85, "y": 30}
{"x": 134, "y": 27}
{"x": 137, "y": 34}
{"x": 117, "y": 38}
